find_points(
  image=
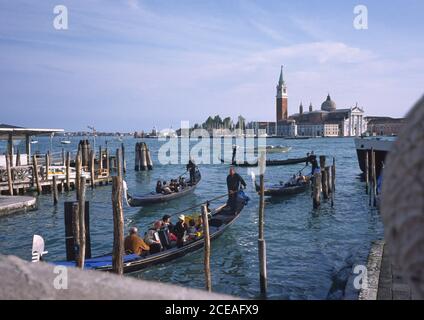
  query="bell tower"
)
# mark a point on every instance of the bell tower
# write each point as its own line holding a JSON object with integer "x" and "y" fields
{"x": 281, "y": 98}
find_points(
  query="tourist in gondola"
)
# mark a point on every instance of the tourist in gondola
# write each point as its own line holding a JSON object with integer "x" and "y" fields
{"x": 165, "y": 188}
{"x": 192, "y": 230}
{"x": 234, "y": 180}
{"x": 191, "y": 168}
{"x": 159, "y": 187}
{"x": 166, "y": 222}
{"x": 152, "y": 238}
{"x": 180, "y": 230}
{"x": 182, "y": 182}
{"x": 133, "y": 244}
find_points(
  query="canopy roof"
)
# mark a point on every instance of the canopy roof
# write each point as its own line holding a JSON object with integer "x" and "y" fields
{"x": 20, "y": 132}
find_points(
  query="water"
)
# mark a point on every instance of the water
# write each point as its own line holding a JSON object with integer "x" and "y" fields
{"x": 309, "y": 252}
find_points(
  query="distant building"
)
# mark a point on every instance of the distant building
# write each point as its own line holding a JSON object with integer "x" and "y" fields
{"x": 281, "y": 99}
{"x": 287, "y": 128}
{"x": 384, "y": 126}
{"x": 330, "y": 121}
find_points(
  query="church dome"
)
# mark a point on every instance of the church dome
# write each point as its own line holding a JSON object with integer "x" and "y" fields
{"x": 328, "y": 105}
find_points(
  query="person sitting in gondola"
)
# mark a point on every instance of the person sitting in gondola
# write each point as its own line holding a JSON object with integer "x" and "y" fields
{"x": 167, "y": 224}
{"x": 133, "y": 244}
{"x": 152, "y": 238}
{"x": 192, "y": 230}
{"x": 180, "y": 230}
{"x": 165, "y": 188}
{"x": 293, "y": 181}
{"x": 159, "y": 187}
{"x": 175, "y": 186}
{"x": 182, "y": 182}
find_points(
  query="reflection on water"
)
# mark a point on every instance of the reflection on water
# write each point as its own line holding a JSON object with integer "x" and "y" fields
{"x": 309, "y": 252}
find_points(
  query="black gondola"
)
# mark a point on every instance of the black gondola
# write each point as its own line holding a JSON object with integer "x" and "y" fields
{"x": 154, "y": 197}
{"x": 284, "y": 189}
{"x": 220, "y": 220}
{"x": 271, "y": 162}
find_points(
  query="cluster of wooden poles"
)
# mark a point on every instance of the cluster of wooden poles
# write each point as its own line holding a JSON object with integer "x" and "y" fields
{"x": 118, "y": 252}
{"x": 324, "y": 182}
{"x": 85, "y": 159}
{"x": 371, "y": 177}
{"x": 78, "y": 216}
{"x": 143, "y": 159}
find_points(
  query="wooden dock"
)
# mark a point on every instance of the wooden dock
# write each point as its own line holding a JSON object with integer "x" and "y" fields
{"x": 39, "y": 172}
{"x": 9, "y": 204}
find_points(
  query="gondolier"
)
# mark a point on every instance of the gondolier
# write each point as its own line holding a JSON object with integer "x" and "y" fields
{"x": 233, "y": 184}
{"x": 191, "y": 168}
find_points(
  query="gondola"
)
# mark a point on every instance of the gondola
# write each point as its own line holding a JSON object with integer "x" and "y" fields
{"x": 284, "y": 189}
{"x": 154, "y": 197}
{"x": 221, "y": 218}
{"x": 270, "y": 162}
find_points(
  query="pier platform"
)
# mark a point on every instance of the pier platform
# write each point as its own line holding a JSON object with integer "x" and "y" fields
{"x": 13, "y": 204}
{"x": 385, "y": 281}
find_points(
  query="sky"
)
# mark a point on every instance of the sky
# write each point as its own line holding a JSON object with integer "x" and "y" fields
{"x": 126, "y": 65}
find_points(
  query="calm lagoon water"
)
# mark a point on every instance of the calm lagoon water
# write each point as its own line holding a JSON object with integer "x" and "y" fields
{"x": 310, "y": 252}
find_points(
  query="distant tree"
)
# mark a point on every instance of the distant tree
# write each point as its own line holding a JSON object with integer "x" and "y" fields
{"x": 227, "y": 123}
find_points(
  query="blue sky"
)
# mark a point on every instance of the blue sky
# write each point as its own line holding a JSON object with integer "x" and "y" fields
{"x": 127, "y": 65}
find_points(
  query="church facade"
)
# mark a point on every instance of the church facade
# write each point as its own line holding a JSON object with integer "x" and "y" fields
{"x": 328, "y": 121}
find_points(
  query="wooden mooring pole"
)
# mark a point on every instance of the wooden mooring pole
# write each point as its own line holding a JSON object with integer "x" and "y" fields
{"x": 18, "y": 158}
{"x": 107, "y": 162}
{"x": 100, "y": 160}
{"x": 124, "y": 163}
{"x": 9, "y": 173}
{"x": 118, "y": 226}
{"x": 36, "y": 177}
{"x": 77, "y": 172}
{"x": 118, "y": 163}
{"x": 207, "y": 256}
{"x": 374, "y": 178}
{"x": 324, "y": 177}
{"x": 54, "y": 190}
{"x": 367, "y": 172}
{"x": 317, "y": 190}
{"x": 47, "y": 165}
{"x": 371, "y": 179}
{"x": 81, "y": 220}
{"x": 76, "y": 233}
{"x": 333, "y": 175}
{"x": 68, "y": 171}
{"x": 92, "y": 169}
{"x": 261, "y": 232}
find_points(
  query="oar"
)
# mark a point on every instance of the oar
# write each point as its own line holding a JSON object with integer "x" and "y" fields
{"x": 182, "y": 174}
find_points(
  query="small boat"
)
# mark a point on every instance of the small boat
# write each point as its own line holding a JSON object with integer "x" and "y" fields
{"x": 221, "y": 218}
{"x": 273, "y": 149}
{"x": 271, "y": 162}
{"x": 65, "y": 142}
{"x": 154, "y": 197}
{"x": 381, "y": 148}
{"x": 277, "y": 149}
{"x": 34, "y": 141}
{"x": 284, "y": 189}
